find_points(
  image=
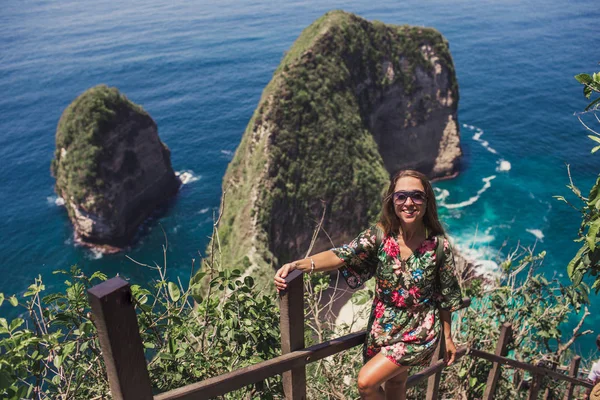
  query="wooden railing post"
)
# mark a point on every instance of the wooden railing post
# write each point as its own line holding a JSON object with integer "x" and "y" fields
{"x": 501, "y": 350}
{"x": 118, "y": 332}
{"x": 291, "y": 308}
{"x": 573, "y": 371}
{"x": 433, "y": 382}
{"x": 534, "y": 389}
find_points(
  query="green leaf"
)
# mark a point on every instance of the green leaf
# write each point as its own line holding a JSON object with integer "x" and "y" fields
{"x": 595, "y": 149}
{"x": 593, "y": 105}
{"x": 592, "y": 233}
{"x": 13, "y": 301}
{"x": 3, "y": 323}
{"x": 584, "y": 79}
{"x": 594, "y": 138}
{"x": 15, "y": 323}
{"x": 1, "y": 298}
{"x": 167, "y": 356}
{"x": 197, "y": 293}
{"x": 174, "y": 292}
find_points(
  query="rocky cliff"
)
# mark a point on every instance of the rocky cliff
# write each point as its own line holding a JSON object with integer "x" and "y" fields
{"x": 352, "y": 102}
{"x": 111, "y": 168}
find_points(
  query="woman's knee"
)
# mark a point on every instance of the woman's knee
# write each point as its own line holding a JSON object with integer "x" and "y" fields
{"x": 366, "y": 382}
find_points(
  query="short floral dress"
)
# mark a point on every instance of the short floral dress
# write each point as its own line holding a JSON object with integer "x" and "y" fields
{"x": 402, "y": 325}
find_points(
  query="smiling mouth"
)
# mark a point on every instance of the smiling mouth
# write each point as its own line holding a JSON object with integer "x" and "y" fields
{"x": 409, "y": 213}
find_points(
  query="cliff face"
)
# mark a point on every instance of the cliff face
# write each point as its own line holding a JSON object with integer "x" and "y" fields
{"x": 110, "y": 167}
{"x": 352, "y": 102}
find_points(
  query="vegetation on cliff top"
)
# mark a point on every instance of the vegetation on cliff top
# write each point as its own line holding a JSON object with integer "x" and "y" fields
{"x": 79, "y": 141}
{"x": 320, "y": 150}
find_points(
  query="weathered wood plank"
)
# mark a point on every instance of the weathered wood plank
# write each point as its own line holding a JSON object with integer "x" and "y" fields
{"x": 237, "y": 379}
{"x": 501, "y": 350}
{"x": 433, "y": 383}
{"x": 291, "y": 319}
{"x": 528, "y": 367}
{"x": 114, "y": 316}
{"x": 573, "y": 371}
{"x": 534, "y": 389}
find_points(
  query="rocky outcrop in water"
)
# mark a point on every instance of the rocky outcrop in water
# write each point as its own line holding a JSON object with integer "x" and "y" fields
{"x": 352, "y": 102}
{"x": 111, "y": 167}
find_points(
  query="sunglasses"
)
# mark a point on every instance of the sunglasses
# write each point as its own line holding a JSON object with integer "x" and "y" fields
{"x": 417, "y": 197}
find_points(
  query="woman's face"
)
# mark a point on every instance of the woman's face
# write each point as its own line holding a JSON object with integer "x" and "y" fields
{"x": 408, "y": 193}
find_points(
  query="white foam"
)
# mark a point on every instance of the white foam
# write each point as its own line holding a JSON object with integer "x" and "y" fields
{"x": 55, "y": 200}
{"x": 95, "y": 254}
{"x": 228, "y": 153}
{"x": 487, "y": 184}
{"x": 204, "y": 210}
{"x": 537, "y": 233}
{"x": 479, "y": 256}
{"x": 441, "y": 194}
{"x": 503, "y": 165}
{"x": 484, "y": 143}
{"x": 187, "y": 177}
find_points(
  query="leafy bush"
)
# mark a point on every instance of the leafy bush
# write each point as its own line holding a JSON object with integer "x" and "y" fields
{"x": 53, "y": 352}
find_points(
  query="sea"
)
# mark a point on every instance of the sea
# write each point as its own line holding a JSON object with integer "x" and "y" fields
{"x": 199, "y": 69}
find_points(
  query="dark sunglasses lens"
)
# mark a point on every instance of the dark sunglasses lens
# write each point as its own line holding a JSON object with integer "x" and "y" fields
{"x": 400, "y": 198}
{"x": 418, "y": 198}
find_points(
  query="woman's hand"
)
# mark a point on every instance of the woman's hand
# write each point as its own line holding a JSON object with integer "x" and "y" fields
{"x": 282, "y": 273}
{"x": 450, "y": 355}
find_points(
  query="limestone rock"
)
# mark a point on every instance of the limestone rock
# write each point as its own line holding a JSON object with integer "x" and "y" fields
{"x": 352, "y": 102}
{"x": 110, "y": 167}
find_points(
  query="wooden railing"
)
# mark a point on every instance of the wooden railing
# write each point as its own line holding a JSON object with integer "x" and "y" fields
{"x": 114, "y": 315}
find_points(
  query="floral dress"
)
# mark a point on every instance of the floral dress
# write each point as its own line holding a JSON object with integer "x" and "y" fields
{"x": 402, "y": 325}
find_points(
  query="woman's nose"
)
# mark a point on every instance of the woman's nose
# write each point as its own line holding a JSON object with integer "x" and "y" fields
{"x": 407, "y": 201}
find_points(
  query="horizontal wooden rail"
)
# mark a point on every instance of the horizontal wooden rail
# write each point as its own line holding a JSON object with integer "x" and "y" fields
{"x": 527, "y": 367}
{"x": 237, "y": 379}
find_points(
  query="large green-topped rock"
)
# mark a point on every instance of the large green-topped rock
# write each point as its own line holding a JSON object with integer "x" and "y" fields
{"x": 352, "y": 102}
{"x": 111, "y": 168}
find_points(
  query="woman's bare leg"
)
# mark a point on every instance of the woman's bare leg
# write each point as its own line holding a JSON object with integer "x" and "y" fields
{"x": 395, "y": 388}
{"x": 374, "y": 373}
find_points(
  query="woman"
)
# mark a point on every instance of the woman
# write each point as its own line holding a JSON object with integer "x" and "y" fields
{"x": 400, "y": 252}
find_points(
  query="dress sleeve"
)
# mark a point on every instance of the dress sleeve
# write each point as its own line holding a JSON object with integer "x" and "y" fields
{"x": 451, "y": 295}
{"x": 359, "y": 257}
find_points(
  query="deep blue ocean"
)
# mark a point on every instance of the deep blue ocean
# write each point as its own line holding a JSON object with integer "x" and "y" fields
{"x": 199, "y": 69}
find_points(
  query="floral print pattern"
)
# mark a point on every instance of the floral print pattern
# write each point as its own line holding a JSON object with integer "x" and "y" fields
{"x": 403, "y": 322}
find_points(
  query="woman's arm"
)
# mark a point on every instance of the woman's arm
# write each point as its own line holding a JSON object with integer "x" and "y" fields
{"x": 446, "y": 318}
{"x": 325, "y": 261}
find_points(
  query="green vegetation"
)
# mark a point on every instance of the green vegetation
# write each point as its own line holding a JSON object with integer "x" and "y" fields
{"x": 308, "y": 145}
{"x": 54, "y": 352}
{"x": 587, "y": 259}
{"x": 79, "y": 142}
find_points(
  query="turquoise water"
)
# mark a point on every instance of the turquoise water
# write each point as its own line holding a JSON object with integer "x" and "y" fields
{"x": 199, "y": 70}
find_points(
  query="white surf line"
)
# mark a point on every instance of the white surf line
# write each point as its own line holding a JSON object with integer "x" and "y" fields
{"x": 477, "y": 138}
{"x": 187, "y": 176}
{"x": 537, "y": 233}
{"x": 487, "y": 184}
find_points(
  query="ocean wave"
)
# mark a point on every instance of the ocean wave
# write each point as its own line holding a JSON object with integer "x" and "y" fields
{"x": 537, "y": 233}
{"x": 503, "y": 165}
{"x": 477, "y": 137}
{"x": 480, "y": 256}
{"x": 55, "y": 200}
{"x": 94, "y": 254}
{"x": 487, "y": 184}
{"x": 187, "y": 176}
{"x": 204, "y": 210}
{"x": 227, "y": 153}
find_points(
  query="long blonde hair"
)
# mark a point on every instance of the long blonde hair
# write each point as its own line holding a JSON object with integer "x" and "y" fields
{"x": 389, "y": 220}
